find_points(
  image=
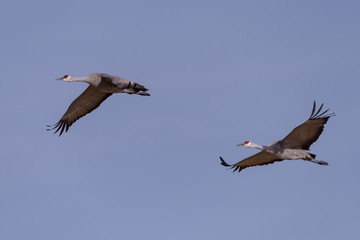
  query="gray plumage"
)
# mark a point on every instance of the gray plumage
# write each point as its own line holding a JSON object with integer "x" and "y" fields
{"x": 292, "y": 147}
{"x": 101, "y": 86}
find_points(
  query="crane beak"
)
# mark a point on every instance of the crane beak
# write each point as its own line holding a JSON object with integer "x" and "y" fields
{"x": 60, "y": 78}
{"x": 241, "y": 144}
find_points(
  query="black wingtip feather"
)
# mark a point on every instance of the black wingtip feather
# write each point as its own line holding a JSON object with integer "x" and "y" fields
{"x": 61, "y": 126}
{"x": 318, "y": 114}
{"x": 224, "y": 163}
{"x": 319, "y": 110}
{"x": 313, "y": 110}
{"x": 323, "y": 113}
{"x": 62, "y": 129}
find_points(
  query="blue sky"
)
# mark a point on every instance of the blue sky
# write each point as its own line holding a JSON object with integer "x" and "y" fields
{"x": 219, "y": 73}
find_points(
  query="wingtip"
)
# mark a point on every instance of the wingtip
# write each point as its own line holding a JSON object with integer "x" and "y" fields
{"x": 313, "y": 110}
{"x": 60, "y": 127}
{"x": 224, "y": 163}
{"x": 320, "y": 114}
{"x": 50, "y": 127}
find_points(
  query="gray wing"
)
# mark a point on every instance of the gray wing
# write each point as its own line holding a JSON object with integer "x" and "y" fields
{"x": 308, "y": 132}
{"x": 261, "y": 158}
{"x": 89, "y": 100}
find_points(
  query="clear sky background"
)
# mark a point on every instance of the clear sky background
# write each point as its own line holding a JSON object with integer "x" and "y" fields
{"x": 219, "y": 73}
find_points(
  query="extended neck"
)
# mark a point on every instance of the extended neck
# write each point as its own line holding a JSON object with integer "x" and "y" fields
{"x": 79, "y": 79}
{"x": 254, "y": 145}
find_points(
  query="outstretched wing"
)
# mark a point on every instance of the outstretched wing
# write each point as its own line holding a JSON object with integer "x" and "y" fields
{"x": 89, "y": 100}
{"x": 308, "y": 132}
{"x": 261, "y": 158}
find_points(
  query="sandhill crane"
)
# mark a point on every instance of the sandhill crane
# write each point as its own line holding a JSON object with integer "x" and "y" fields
{"x": 101, "y": 86}
{"x": 292, "y": 147}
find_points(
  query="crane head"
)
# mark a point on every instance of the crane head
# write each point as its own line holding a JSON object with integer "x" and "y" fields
{"x": 245, "y": 144}
{"x": 66, "y": 78}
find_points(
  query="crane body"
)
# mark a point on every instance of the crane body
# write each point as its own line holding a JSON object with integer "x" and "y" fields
{"x": 293, "y": 147}
{"x": 101, "y": 86}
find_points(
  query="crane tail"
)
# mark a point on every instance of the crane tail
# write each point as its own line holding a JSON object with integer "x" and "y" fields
{"x": 137, "y": 87}
{"x": 323, "y": 163}
{"x": 143, "y": 93}
{"x": 317, "y": 161}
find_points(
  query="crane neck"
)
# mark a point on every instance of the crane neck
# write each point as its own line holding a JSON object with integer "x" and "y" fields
{"x": 254, "y": 145}
{"x": 79, "y": 79}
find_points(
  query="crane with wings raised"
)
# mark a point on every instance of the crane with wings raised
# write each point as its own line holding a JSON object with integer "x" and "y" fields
{"x": 294, "y": 146}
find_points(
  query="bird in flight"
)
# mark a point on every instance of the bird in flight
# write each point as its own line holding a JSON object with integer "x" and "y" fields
{"x": 101, "y": 86}
{"x": 292, "y": 147}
